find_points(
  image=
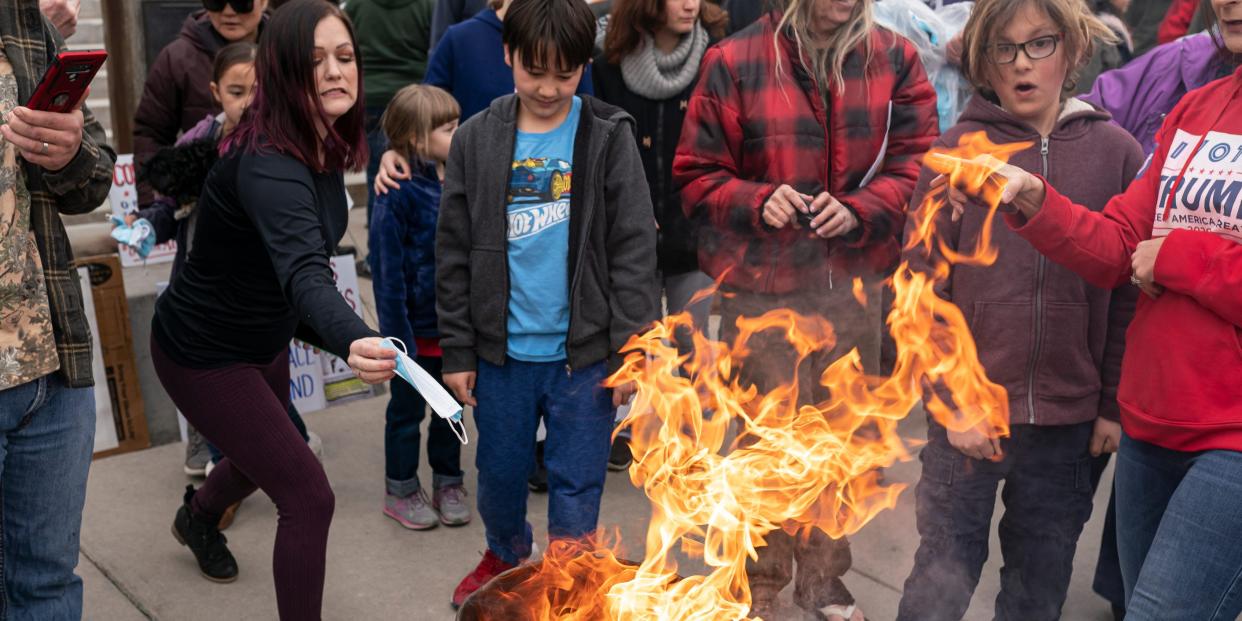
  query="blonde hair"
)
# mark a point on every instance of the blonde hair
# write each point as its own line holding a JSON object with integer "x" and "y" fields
{"x": 827, "y": 62}
{"x": 414, "y": 112}
{"x": 1079, "y": 27}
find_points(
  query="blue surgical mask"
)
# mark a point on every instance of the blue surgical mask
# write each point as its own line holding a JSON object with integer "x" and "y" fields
{"x": 441, "y": 402}
{"x": 140, "y": 236}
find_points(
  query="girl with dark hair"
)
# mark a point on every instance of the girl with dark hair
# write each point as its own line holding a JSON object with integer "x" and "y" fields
{"x": 270, "y": 212}
{"x": 648, "y": 67}
{"x": 232, "y": 87}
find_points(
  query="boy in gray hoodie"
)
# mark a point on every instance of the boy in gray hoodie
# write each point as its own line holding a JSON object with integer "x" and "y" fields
{"x": 545, "y": 266}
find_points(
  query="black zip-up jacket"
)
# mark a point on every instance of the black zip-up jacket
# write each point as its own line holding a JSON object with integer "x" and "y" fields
{"x": 612, "y": 239}
{"x": 658, "y": 126}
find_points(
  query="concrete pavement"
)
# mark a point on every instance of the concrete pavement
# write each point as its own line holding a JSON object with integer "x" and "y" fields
{"x": 376, "y": 570}
{"x": 133, "y": 569}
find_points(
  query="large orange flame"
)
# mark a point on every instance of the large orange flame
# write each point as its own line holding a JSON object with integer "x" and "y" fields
{"x": 801, "y": 467}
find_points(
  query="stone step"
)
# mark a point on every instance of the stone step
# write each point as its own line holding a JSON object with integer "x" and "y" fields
{"x": 90, "y": 31}
{"x": 90, "y": 9}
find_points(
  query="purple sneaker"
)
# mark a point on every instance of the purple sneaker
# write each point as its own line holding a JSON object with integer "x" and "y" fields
{"x": 412, "y": 512}
{"x": 450, "y": 502}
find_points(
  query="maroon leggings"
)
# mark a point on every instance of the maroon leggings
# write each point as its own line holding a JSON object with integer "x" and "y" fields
{"x": 242, "y": 409}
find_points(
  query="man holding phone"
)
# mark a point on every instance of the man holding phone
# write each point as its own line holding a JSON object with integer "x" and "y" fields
{"x": 50, "y": 164}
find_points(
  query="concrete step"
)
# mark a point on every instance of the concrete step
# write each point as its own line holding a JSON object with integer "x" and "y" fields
{"x": 90, "y": 9}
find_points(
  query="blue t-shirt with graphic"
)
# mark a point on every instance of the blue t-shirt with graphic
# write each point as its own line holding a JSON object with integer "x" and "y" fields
{"x": 538, "y": 214}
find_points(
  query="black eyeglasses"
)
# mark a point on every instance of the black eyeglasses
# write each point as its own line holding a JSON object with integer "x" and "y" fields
{"x": 1035, "y": 49}
{"x": 241, "y": 6}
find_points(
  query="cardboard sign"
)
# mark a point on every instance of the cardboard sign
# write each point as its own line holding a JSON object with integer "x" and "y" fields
{"x": 105, "y": 428}
{"x": 305, "y": 378}
{"x": 124, "y": 200}
{"x": 113, "y": 341}
{"x": 317, "y": 378}
{"x": 339, "y": 380}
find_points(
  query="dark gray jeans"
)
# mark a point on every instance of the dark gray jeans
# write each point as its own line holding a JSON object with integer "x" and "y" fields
{"x": 1047, "y": 495}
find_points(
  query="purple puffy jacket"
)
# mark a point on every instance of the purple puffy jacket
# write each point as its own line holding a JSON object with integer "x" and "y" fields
{"x": 1140, "y": 94}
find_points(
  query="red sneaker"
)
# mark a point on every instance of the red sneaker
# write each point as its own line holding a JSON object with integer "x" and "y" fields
{"x": 488, "y": 568}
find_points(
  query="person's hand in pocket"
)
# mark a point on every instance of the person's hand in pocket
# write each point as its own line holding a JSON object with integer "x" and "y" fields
{"x": 461, "y": 384}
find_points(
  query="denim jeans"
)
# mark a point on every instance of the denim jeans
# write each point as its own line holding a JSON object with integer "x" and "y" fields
{"x": 1107, "y": 582}
{"x": 577, "y": 411}
{"x": 402, "y": 438}
{"x": 1047, "y": 495}
{"x": 377, "y": 143}
{"x": 47, "y": 436}
{"x": 1179, "y": 532}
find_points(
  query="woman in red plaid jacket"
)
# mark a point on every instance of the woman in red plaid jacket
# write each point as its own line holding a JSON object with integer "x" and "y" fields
{"x": 800, "y": 151}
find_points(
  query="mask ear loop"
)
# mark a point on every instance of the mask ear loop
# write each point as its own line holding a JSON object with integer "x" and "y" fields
{"x": 459, "y": 429}
{"x": 396, "y": 341}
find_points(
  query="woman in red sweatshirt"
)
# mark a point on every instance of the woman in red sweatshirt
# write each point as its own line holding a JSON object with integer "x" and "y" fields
{"x": 1176, "y": 234}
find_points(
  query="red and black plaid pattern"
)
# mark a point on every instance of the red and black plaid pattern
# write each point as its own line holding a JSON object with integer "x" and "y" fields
{"x": 747, "y": 132}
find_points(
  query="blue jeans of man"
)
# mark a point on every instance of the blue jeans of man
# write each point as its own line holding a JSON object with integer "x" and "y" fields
{"x": 1179, "y": 532}
{"x": 1047, "y": 494}
{"x": 577, "y": 412}
{"x": 47, "y": 436}
{"x": 403, "y": 437}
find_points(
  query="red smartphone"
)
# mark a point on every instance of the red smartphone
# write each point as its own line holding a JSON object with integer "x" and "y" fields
{"x": 66, "y": 80}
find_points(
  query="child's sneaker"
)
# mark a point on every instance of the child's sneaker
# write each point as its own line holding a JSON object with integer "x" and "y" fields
{"x": 488, "y": 568}
{"x": 315, "y": 443}
{"x": 412, "y": 512}
{"x": 450, "y": 502}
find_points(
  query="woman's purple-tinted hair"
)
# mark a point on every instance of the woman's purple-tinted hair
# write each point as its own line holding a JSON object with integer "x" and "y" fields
{"x": 286, "y": 103}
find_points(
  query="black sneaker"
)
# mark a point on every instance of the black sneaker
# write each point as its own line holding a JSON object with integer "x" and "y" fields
{"x": 203, "y": 538}
{"x": 619, "y": 458}
{"x": 538, "y": 480}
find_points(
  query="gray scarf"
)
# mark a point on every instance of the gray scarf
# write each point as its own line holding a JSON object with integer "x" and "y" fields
{"x": 654, "y": 75}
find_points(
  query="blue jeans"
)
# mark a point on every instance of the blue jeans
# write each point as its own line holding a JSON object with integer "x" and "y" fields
{"x": 47, "y": 435}
{"x": 402, "y": 438}
{"x": 1047, "y": 495}
{"x": 1179, "y": 519}
{"x": 577, "y": 411}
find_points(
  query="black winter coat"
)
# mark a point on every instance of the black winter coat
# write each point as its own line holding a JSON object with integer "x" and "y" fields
{"x": 658, "y": 126}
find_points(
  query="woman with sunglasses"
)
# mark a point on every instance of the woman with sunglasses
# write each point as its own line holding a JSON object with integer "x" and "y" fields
{"x": 1175, "y": 234}
{"x": 176, "y": 97}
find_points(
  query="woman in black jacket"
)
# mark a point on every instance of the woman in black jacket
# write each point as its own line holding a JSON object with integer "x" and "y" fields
{"x": 271, "y": 210}
{"x": 649, "y": 66}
